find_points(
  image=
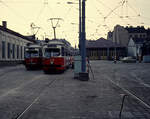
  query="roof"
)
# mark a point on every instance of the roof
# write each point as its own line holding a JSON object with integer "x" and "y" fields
{"x": 15, "y": 33}
{"x": 136, "y": 29}
{"x": 101, "y": 43}
{"x": 60, "y": 41}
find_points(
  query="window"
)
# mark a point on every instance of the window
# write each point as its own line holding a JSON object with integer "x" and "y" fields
{"x": 17, "y": 51}
{"x": 13, "y": 51}
{"x": 21, "y": 51}
{"x": 8, "y": 50}
{"x": 3, "y": 49}
{"x": 140, "y": 36}
{"x": 52, "y": 52}
{"x": 136, "y": 36}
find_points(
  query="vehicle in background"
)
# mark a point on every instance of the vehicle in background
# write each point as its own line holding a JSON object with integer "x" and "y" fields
{"x": 33, "y": 57}
{"x": 128, "y": 60}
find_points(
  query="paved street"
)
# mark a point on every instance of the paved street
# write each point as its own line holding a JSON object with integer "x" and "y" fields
{"x": 35, "y": 95}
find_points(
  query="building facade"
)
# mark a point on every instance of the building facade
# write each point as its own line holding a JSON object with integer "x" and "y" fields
{"x": 102, "y": 49}
{"x": 121, "y": 35}
{"x": 135, "y": 47}
{"x": 12, "y": 45}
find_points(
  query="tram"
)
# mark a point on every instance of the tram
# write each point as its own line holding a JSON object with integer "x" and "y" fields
{"x": 56, "y": 57}
{"x": 33, "y": 57}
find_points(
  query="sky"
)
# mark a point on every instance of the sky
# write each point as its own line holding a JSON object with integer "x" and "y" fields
{"x": 101, "y": 17}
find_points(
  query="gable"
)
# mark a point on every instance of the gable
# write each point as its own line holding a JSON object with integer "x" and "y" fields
{"x": 131, "y": 43}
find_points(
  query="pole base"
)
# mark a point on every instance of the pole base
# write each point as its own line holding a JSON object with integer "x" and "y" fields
{"x": 83, "y": 76}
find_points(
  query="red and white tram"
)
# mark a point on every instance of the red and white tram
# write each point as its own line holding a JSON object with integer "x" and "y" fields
{"x": 56, "y": 57}
{"x": 33, "y": 56}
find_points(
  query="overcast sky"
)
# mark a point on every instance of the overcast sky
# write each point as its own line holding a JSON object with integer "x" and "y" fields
{"x": 101, "y": 16}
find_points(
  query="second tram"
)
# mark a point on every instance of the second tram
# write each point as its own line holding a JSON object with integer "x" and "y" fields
{"x": 33, "y": 57}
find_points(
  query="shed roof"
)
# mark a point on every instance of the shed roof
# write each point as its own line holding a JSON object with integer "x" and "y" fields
{"x": 101, "y": 43}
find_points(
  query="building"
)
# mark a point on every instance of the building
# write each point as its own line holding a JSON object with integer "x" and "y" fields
{"x": 102, "y": 49}
{"x": 135, "y": 47}
{"x": 110, "y": 36}
{"x": 12, "y": 45}
{"x": 121, "y": 35}
{"x": 137, "y": 32}
{"x": 139, "y": 48}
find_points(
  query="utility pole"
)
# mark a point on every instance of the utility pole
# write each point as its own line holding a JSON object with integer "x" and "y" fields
{"x": 83, "y": 39}
{"x": 80, "y": 27}
{"x": 83, "y": 75}
{"x": 54, "y": 26}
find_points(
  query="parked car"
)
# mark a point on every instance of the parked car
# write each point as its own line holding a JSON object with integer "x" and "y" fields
{"x": 129, "y": 60}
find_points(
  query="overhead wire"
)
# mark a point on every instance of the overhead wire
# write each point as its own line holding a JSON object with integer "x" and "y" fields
{"x": 40, "y": 12}
{"x": 13, "y": 11}
{"x": 127, "y": 16}
{"x": 66, "y": 15}
{"x": 45, "y": 5}
{"x": 104, "y": 23}
{"x": 113, "y": 11}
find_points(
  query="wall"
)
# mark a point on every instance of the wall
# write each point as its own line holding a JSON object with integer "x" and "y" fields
{"x": 12, "y": 40}
{"x": 120, "y": 35}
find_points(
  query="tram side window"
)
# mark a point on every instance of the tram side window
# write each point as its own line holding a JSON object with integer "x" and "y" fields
{"x": 40, "y": 52}
{"x": 27, "y": 54}
{"x": 62, "y": 51}
{"x": 3, "y": 49}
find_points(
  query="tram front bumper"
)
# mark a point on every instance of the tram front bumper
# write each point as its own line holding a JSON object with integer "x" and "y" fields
{"x": 53, "y": 68}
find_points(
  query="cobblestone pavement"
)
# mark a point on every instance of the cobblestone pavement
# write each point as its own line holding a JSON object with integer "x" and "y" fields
{"x": 59, "y": 96}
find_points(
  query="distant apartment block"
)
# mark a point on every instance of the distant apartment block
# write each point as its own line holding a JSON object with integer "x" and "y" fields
{"x": 122, "y": 35}
{"x": 133, "y": 38}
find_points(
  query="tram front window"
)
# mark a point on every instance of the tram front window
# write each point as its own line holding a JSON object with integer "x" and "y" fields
{"x": 52, "y": 52}
{"x": 29, "y": 54}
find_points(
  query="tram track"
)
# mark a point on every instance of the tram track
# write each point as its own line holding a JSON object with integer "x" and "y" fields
{"x": 23, "y": 84}
{"x": 129, "y": 93}
{"x": 20, "y": 115}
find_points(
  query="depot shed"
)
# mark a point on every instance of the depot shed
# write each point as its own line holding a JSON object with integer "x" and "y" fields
{"x": 102, "y": 49}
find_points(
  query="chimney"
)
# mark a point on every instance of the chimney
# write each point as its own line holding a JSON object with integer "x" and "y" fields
{"x": 4, "y": 24}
